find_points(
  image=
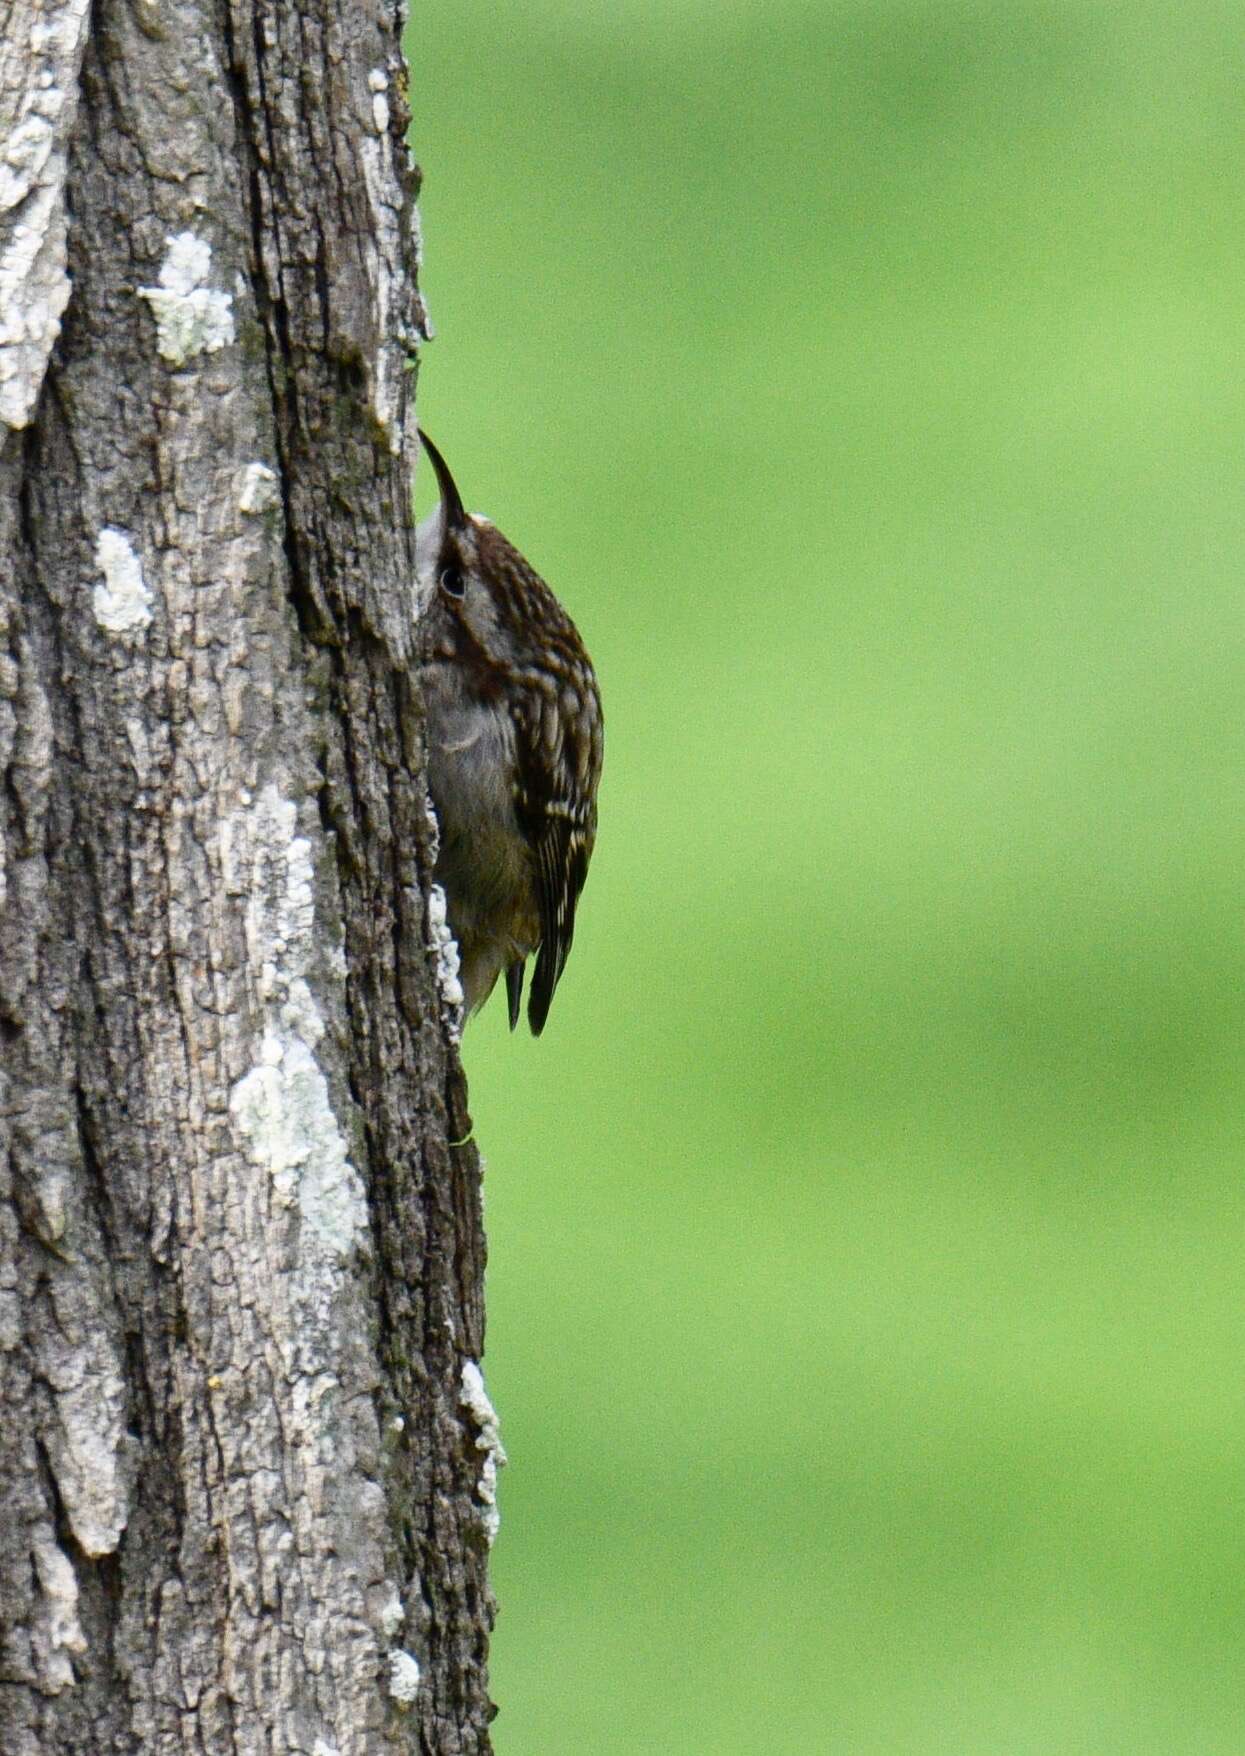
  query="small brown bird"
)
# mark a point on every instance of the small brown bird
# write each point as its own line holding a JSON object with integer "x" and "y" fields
{"x": 514, "y": 752}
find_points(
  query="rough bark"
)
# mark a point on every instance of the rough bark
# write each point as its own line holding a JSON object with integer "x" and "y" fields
{"x": 246, "y": 1460}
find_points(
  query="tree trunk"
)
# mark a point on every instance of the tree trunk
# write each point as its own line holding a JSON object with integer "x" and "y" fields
{"x": 246, "y": 1460}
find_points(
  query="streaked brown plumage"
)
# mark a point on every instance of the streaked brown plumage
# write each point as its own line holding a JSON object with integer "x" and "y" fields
{"x": 514, "y": 752}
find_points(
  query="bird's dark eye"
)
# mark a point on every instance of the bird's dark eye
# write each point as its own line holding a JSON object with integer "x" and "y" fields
{"x": 452, "y": 582}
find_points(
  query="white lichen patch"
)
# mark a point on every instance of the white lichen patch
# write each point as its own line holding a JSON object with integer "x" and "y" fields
{"x": 57, "y": 1632}
{"x": 271, "y": 864}
{"x": 259, "y": 488}
{"x": 282, "y": 1106}
{"x": 191, "y": 317}
{"x": 448, "y": 966}
{"x": 392, "y": 1615}
{"x": 386, "y": 261}
{"x": 474, "y": 1398}
{"x": 378, "y": 84}
{"x": 283, "y": 1111}
{"x": 39, "y": 83}
{"x": 86, "y": 1455}
{"x": 122, "y": 603}
{"x": 434, "y": 826}
{"x": 404, "y": 1675}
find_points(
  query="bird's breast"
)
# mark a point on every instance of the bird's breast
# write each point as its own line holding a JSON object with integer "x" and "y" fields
{"x": 484, "y": 861}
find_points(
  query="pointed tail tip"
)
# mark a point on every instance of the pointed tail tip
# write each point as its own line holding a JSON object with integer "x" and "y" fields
{"x": 514, "y": 990}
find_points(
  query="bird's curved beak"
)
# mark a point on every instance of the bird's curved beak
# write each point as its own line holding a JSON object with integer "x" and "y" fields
{"x": 452, "y": 510}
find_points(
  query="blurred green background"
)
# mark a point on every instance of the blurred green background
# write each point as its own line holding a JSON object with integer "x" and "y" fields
{"x": 866, "y": 1314}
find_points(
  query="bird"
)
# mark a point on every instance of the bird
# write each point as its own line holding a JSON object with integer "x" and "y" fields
{"x": 514, "y": 748}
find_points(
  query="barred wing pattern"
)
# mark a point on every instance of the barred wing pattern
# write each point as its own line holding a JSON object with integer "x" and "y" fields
{"x": 560, "y": 765}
